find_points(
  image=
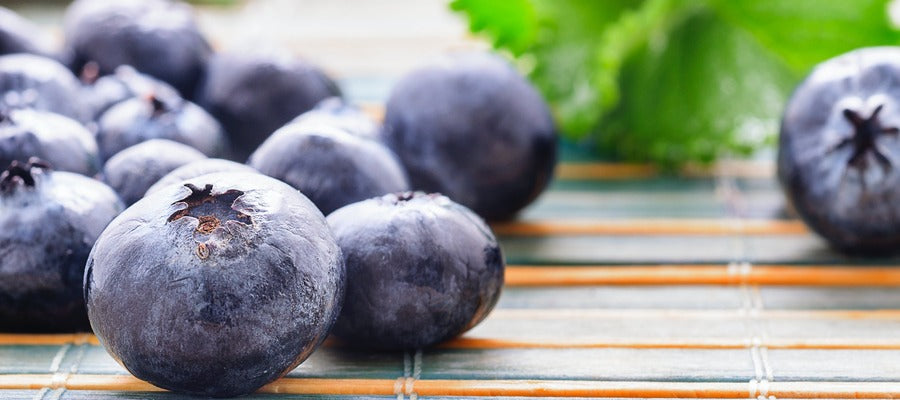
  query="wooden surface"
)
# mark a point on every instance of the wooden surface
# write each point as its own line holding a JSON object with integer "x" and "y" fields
{"x": 632, "y": 286}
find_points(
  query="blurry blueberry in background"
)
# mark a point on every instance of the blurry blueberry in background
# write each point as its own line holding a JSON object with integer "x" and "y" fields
{"x": 48, "y": 222}
{"x": 472, "y": 128}
{"x": 253, "y": 94}
{"x": 329, "y": 165}
{"x": 19, "y": 35}
{"x": 103, "y": 92}
{"x": 421, "y": 269}
{"x": 334, "y": 111}
{"x": 197, "y": 168}
{"x": 157, "y": 37}
{"x": 28, "y": 80}
{"x": 158, "y": 116}
{"x": 132, "y": 171}
{"x": 215, "y": 287}
{"x": 61, "y": 141}
{"x": 839, "y": 150}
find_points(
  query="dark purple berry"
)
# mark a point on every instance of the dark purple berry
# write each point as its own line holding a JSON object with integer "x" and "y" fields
{"x": 197, "y": 168}
{"x": 421, "y": 269}
{"x": 216, "y": 287}
{"x": 63, "y": 142}
{"x": 473, "y": 129}
{"x": 132, "y": 171}
{"x": 31, "y": 81}
{"x": 48, "y": 222}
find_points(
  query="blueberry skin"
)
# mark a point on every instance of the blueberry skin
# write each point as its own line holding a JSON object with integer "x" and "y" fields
{"x": 473, "y": 129}
{"x": 197, "y": 168}
{"x": 159, "y": 117}
{"x": 838, "y": 174}
{"x": 19, "y": 35}
{"x": 61, "y": 141}
{"x": 132, "y": 171}
{"x": 421, "y": 269}
{"x": 28, "y": 80}
{"x": 48, "y": 223}
{"x": 103, "y": 92}
{"x": 157, "y": 37}
{"x": 329, "y": 165}
{"x": 215, "y": 308}
{"x": 254, "y": 94}
{"x": 335, "y": 112}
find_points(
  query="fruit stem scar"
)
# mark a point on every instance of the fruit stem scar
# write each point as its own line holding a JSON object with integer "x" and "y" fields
{"x": 866, "y": 131}
{"x": 18, "y": 173}
{"x": 159, "y": 106}
{"x": 211, "y": 210}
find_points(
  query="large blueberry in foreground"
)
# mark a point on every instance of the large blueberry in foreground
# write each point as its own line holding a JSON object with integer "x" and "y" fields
{"x": 421, "y": 269}
{"x": 254, "y": 94}
{"x": 48, "y": 223}
{"x": 197, "y": 168}
{"x": 132, "y": 171}
{"x": 28, "y": 80}
{"x": 216, "y": 287}
{"x": 473, "y": 129}
{"x": 839, "y": 150}
{"x": 159, "y": 117}
{"x": 157, "y": 37}
{"x": 329, "y": 165}
{"x": 63, "y": 142}
{"x": 19, "y": 35}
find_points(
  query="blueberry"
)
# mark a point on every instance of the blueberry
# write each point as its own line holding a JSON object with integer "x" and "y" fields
{"x": 474, "y": 130}
{"x": 838, "y": 149}
{"x": 335, "y": 112}
{"x": 157, "y": 37}
{"x": 28, "y": 80}
{"x": 216, "y": 287}
{"x": 421, "y": 269}
{"x": 48, "y": 223}
{"x": 329, "y": 165}
{"x": 103, "y": 92}
{"x": 64, "y": 143}
{"x": 197, "y": 168}
{"x": 254, "y": 94}
{"x": 159, "y": 117}
{"x": 19, "y": 35}
{"x": 132, "y": 171}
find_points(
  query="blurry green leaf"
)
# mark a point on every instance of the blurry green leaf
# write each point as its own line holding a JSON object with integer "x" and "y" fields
{"x": 511, "y": 24}
{"x": 708, "y": 88}
{"x": 673, "y": 81}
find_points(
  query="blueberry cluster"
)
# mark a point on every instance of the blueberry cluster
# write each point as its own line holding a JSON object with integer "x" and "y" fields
{"x": 172, "y": 198}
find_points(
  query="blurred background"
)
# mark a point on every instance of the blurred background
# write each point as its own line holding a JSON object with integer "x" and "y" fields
{"x": 670, "y": 82}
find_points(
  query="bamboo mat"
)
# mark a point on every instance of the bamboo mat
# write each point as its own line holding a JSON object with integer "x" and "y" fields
{"x": 621, "y": 284}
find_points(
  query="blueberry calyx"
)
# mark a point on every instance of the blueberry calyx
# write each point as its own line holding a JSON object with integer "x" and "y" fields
{"x": 211, "y": 210}
{"x": 20, "y": 174}
{"x": 159, "y": 106}
{"x": 90, "y": 72}
{"x": 866, "y": 131}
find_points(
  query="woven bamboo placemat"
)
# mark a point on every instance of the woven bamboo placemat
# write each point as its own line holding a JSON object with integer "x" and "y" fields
{"x": 621, "y": 284}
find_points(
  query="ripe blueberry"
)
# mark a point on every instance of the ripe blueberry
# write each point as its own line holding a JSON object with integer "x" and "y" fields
{"x": 473, "y": 129}
{"x": 28, "y": 80}
{"x": 216, "y": 287}
{"x": 197, "y": 168}
{"x": 158, "y": 116}
{"x": 329, "y": 165}
{"x": 421, "y": 269}
{"x": 19, "y": 35}
{"x": 64, "y": 143}
{"x": 132, "y": 171}
{"x": 48, "y": 222}
{"x": 254, "y": 94}
{"x": 839, "y": 147}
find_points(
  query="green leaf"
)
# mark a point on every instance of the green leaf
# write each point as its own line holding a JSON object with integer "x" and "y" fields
{"x": 706, "y": 89}
{"x": 674, "y": 81}
{"x": 805, "y": 32}
{"x": 511, "y": 24}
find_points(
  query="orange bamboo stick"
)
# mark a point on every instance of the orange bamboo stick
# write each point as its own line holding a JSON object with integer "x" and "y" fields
{"x": 517, "y": 275}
